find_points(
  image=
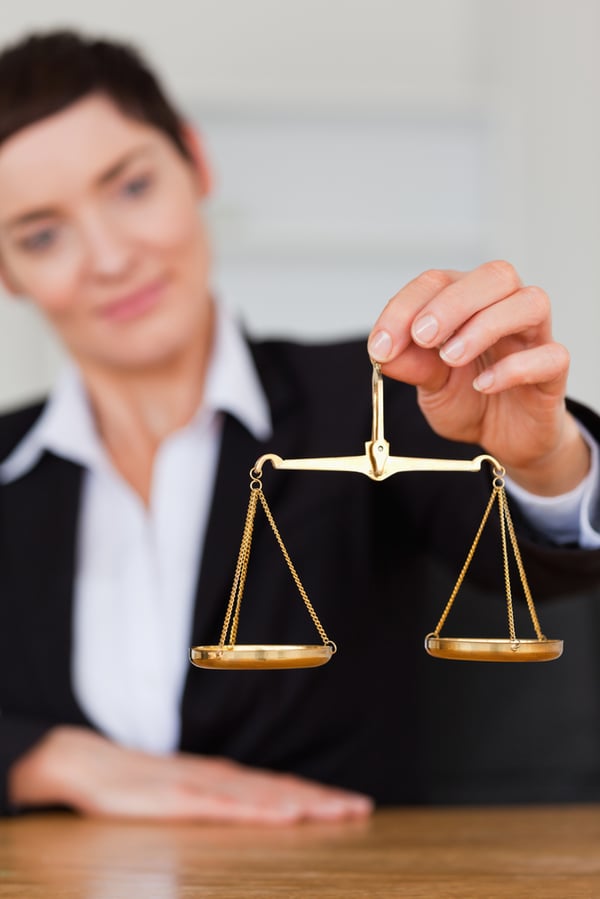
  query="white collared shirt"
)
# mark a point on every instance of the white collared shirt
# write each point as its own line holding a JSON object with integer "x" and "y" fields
{"x": 137, "y": 567}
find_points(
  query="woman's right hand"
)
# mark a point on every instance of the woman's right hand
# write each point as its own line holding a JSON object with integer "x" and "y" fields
{"x": 77, "y": 767}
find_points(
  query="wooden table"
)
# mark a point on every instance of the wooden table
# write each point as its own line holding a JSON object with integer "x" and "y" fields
{"x": 424, "y": 853}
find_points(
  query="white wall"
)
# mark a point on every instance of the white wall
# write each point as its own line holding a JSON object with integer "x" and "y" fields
{"x": 357, "y": 142}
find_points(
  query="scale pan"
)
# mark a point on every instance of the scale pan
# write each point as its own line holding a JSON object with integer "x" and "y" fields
{"x": 491, "y": 649}
{"x": 252, "y": 655}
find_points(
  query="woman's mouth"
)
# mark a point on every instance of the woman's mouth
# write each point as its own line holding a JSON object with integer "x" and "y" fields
{"x": 133, "y": 305}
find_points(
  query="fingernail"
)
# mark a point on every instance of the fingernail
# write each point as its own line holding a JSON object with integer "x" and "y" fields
{"x": 484, "y": 381}
{"x": 453, "y": 349}
{"x": 425, "y": 329}
{"x": 380, "y": 346}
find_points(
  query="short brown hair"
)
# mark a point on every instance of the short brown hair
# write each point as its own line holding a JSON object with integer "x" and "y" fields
{"x": 43, "y": 74}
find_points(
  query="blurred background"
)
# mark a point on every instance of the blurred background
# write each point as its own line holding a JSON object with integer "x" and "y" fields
{"x": 357, "y": 142}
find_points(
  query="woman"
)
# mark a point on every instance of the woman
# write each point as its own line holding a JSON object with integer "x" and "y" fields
{"x": 108, "y": 489}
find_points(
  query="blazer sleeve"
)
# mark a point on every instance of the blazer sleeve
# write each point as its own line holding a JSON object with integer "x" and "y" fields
{"x": 550, "y": 563}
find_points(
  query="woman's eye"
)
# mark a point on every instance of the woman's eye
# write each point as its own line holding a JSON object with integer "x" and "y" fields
{"x": 39, "y": 240}
{"x": 135, "y": 187}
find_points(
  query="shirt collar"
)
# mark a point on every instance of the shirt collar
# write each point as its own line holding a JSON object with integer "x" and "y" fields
{"x": 232, "y": 381}
{"x": 66, "y": 425}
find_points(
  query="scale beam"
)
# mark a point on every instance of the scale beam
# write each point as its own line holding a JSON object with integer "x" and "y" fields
{"x": 364, "y": 465}
{"x": 376, "y": 463}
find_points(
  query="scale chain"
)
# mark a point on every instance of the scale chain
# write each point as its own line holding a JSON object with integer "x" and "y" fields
{"x": 521, "y": 568}
{"x": 509, "y": 604}
{"x": 241, "y": 570}
{"x": 230, "y": 624}
{"x": 506, "y": 524}
{"x": 461, "y": 576}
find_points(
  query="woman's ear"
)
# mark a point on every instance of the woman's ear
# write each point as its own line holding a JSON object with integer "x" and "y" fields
{"x": 195, "y": 148}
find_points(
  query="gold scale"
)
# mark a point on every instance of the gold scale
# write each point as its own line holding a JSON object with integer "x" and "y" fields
{"x": 377, "y": 464}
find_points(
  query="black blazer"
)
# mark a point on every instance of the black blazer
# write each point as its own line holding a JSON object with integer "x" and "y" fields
{"x": 378, "y": 561}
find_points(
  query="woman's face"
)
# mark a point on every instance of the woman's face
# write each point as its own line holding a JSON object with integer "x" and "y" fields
{"x": 99, "y": 227}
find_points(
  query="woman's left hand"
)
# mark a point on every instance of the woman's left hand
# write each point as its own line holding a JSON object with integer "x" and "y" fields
{"x": 478, "y": 346}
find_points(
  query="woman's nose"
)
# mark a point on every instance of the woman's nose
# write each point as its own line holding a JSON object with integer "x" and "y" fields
{"x": 109, "y": 253}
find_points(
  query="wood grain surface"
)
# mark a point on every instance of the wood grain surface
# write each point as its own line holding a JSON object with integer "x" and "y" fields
{"x": 422, "y": 853}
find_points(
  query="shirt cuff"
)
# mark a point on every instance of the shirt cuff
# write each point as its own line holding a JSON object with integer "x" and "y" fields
{"x": 572, "y": 517}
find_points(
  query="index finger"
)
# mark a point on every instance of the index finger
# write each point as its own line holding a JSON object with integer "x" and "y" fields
{"x": 433, "y": 306}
